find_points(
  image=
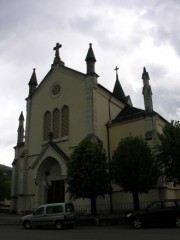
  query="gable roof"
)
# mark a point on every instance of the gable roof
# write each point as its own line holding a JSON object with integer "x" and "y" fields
{"x": 50, "y": 71}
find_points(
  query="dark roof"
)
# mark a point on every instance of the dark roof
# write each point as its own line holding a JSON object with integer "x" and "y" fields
{"x": 118, "y": 90}
{"x": 131, "y": 113}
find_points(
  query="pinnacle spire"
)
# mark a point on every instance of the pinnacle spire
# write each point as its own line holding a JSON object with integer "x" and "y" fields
{"x": 20, "y": 139}
{"x": 21, "y": 118}
{"x": 147, "y": 92}
{"x": 145, "y": 74}
{"x": 33, "y": 79}
{"x": 90, "y": 54}
{"x": 33, "y": 82}
{"x": 90, "y": 60}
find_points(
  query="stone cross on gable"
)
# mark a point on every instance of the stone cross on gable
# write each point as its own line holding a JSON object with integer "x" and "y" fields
{"x": 56, "y": 48}
{"x": 57, "y": 58}
{"x": 116, "y": 69}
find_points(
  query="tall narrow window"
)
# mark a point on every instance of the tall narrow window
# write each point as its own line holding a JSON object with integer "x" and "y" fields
{"x": 65, "y": 122}
{"x": 47, "y": 125}
{"x": 56, "y": 123}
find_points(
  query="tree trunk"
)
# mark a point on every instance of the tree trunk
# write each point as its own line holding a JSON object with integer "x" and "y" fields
{"x": 93, "y": 206}
{"x": 136, "y": 201}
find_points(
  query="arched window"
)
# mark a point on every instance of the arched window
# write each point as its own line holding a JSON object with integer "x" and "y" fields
{"x": 56, "y": 123}
{"x": 47, "y": 125}
{"x": 65, "y": 121}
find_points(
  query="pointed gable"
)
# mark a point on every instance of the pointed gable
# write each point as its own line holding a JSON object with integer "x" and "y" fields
{"x": 50, "y": 150}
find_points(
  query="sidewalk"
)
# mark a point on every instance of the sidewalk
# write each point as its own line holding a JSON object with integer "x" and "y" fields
{"x": 9, "y": 219}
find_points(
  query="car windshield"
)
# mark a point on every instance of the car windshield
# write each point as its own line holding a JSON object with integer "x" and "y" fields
{"x": 69, "y": 207}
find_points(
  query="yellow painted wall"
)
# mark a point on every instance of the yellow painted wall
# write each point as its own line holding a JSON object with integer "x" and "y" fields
{"x": 119, "y": 131}
{"x": 72, "y": 95}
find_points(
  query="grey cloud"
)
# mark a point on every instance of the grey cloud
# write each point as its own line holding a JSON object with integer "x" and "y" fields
{"x": 170, "y": 100}
{"x": 157, "y": 71}
{"x": 166, "y": 19}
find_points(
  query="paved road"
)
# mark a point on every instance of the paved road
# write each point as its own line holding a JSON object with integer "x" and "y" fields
{"x": 15, "y": 232}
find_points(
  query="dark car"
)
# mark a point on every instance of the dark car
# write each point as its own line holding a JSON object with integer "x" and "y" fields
{"x": 159, "y": 212}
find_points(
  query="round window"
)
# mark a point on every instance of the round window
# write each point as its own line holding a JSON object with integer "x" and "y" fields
{"x": 56, "y": 89}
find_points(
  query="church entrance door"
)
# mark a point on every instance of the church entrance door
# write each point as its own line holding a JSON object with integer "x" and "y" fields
{"x": 56, "y": 192}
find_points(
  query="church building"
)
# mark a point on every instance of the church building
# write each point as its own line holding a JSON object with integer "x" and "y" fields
{"x": 63, "y": 109}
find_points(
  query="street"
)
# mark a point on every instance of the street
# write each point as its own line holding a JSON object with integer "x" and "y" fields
{"x": 15, "y": 232}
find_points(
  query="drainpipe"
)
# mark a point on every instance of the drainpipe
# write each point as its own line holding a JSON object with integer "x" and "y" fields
{"x": 108, "y": 147}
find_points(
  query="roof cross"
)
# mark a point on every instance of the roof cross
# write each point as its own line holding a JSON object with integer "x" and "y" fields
{"x": 56, "y": 48}
{"x": 116, "y": 69}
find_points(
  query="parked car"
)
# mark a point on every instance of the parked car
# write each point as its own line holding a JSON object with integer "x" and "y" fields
{"x": 55, "y": 214}
{"x": 158, "y": 212}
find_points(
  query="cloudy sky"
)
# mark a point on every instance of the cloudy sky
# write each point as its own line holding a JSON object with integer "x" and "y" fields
{"x": 129, "y": 34}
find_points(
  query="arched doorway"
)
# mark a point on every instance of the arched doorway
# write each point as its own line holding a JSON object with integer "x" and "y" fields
{"x": 50, "y": 182}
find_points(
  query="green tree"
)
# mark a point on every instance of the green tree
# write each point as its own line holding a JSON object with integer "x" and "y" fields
{"x": 87, "y": 174}
{"x": 133, "y": 167}
{"x": 5, "y": 183}
{"x": 169, "y": 152}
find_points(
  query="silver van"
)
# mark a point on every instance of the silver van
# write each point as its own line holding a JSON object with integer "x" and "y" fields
{"x": 55, "y": 214}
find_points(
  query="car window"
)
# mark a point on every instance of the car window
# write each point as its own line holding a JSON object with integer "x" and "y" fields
{"x": 49, "y": 210}
{"x": 58, "y": 209}
{"x": 156, "y": 205}
{"x": 54, "y": 209}
{"x": 169, "y": 204}
{"x": 39, "y": 211}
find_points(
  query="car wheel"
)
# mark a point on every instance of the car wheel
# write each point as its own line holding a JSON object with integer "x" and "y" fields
{"x": 177, "y": 222}
{"x": 27, "y": 224}
{"x": 137, "y": 223}
{"x": 59, "y": 225}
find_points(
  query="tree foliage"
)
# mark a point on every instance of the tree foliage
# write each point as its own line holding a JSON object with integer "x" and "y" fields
{"x": 169, "y": 152}
{"x": 5, "y": 183}
{"x": 87, "y": 175}
{"x": 133, "y": 167}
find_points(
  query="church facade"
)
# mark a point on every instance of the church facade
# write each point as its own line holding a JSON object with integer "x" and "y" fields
{"x": 62, "y": 110}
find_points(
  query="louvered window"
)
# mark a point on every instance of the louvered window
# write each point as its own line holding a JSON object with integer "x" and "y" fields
{"x": 65, "y": 122}
{"x": 56, "y": 123}
{"x": 47, "y": 125}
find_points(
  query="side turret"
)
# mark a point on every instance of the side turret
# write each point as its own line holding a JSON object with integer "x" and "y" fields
{"x": 90, "y": 60}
